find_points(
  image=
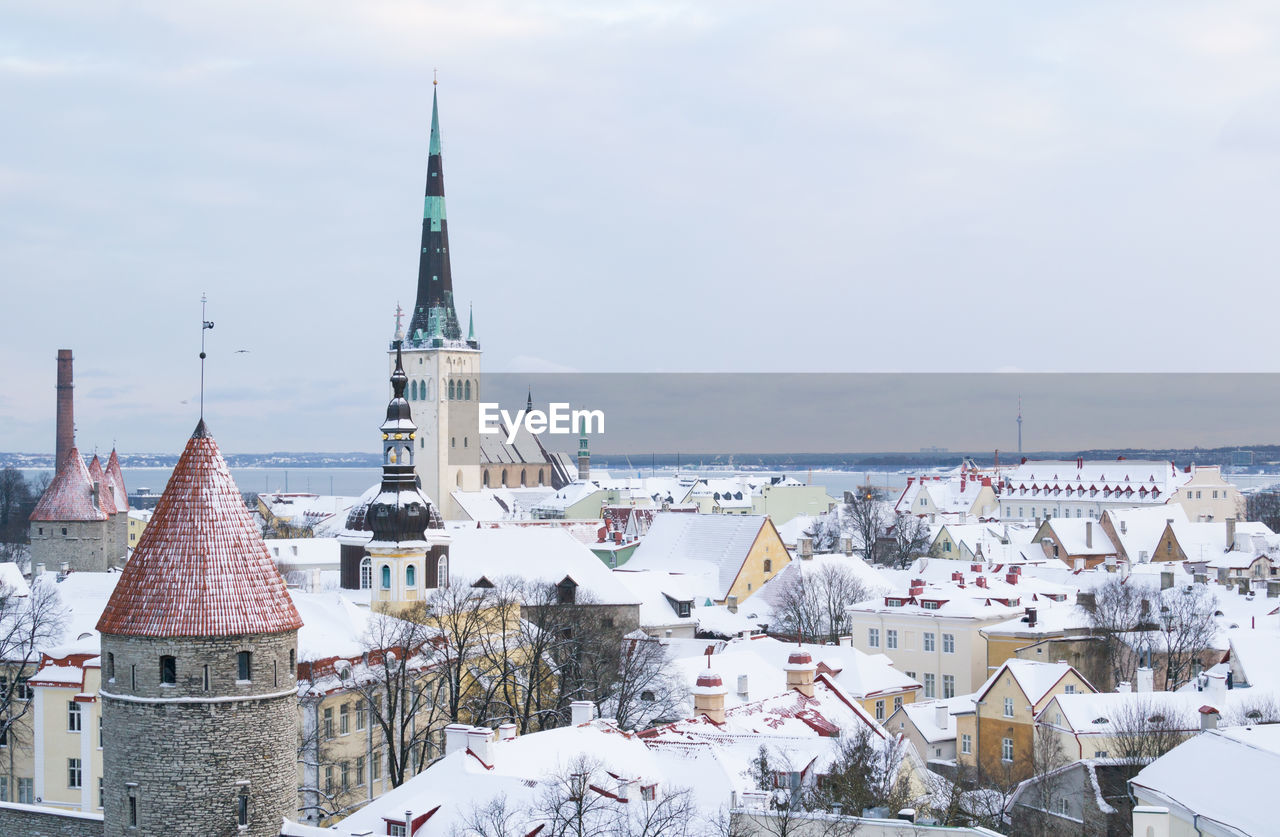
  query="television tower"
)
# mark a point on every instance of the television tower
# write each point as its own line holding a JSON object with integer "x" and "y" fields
{"x": 1019, "y": 426}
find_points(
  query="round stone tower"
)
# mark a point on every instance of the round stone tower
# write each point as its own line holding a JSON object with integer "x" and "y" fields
{"x": 199, "y": 652}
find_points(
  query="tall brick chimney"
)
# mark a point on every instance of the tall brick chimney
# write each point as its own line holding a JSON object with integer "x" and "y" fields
{"x": 66, "y": 433}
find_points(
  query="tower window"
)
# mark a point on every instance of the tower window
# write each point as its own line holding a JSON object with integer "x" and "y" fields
{"x": 111, "y": 666}
{"x": 133, "y": 811}
{"x": 133, "y": 677}
{"x": 244, "y": 665}
{"x": 206, "y": 678}
{"x": 293, "y": 660}
{"x": 410, "y": 576}
{"x": 242, "y": 809}
{"x": 467, "y": 391}
{"x": 451, "y": 390}
{"x": 168, "y": 670}
{"x": 386, "y": 577}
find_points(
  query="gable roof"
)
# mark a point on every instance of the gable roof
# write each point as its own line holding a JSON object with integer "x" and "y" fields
{"x": 69, "y": 496}
{"x": 1035, "y": 679}
{"x": 116, "y": 477}
{"x": 201, "y": 567}
{"x": 714, "y": 544}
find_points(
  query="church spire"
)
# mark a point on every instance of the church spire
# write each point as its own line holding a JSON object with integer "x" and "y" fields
{"x": 435, "y": 279}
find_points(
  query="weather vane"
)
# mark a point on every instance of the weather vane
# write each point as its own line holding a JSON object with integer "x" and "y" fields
{"x": 205, "y": 325}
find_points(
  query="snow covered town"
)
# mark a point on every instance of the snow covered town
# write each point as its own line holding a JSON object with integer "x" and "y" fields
{"x": 500, "y": 639}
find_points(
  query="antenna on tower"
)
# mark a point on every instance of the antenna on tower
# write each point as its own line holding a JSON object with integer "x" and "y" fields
{"x": 205, "y": 325}
{"x": 1019, "y": 425}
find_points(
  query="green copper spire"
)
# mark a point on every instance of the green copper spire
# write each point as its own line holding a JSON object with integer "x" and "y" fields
{"x": 435, "y": 125}
{"x": 471, "y": 324}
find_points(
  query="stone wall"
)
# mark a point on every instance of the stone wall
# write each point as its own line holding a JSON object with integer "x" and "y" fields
{"x": 84, "y": 546}
{"x": 186, "y": 755}
{"x": 37, "y": 821}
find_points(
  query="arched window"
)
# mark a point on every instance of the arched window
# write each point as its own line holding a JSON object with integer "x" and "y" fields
{"x": 486, "y": 478}
{"x": 542, "y": 479}
{"x": 386, "y": 577}
{"x": 504, "y": 477}
{"x": 442, "y": 571}
{"x": 768, "y": 565}
{"x": 410, "y": 576}
{"x": 366, "y": 573}
{"x": 522, "y": 478}
{"x": 450, "y": 389}
{"x": 413, "y": 390}
{"x": 430, "y": 389}
{"x": 467, "y": 397}
{"x": 458, "y": 480}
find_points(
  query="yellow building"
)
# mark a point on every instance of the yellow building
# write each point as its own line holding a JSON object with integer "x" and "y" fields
{"x": 67, "y": 746}
{"x": 732, "y": 554}
{"x": 138, "y": 520}
{"x": 998, "y": 733}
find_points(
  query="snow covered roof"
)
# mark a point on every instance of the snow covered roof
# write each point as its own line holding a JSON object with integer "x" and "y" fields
{"x": 12, "y": 581}
{"x": 1036, "y": 679}
{"x": 1140, "y": 529}
{"x": 562, "y": 499}
{"x": 69, "y": 497}
{"x": 924, "y": 715}
{"x": 1122, "y": 474}
{"x": 332, "y": 626}
{"x": 1235, "y": 794}
{"x": 1255, "y": 657}
{"x": 116, "y": 478}
{"x": 83, "y": 596}
{"x": 714, "y": 545}
{"x": 586, "y": 531}
{"x": 535, "y": 554}
{"x": 1080, "y": 536}
{"x": 106, "y": 497}
{"x": 501, "y": 503}
{"x": 952, "y": 494}
{"x": 201, "y": 567}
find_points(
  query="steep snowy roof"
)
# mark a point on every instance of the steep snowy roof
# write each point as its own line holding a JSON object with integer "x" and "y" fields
{"x": 116, "y": 477}
{"x": 501, "y": 503}
{"x": 924, "y": 715}
{"x": 1139, "y": 529}
{"x": 1080, "y": 536}
{"x": 69, "y": 497}
{"x": 1035, "y": 679}
{"x": 201, "y": 567}
{"x": 714, "y": 544}
{"x": 1235, "y": 794}
{"x": 535, "y": 554}
{"x": 106, "y": 497}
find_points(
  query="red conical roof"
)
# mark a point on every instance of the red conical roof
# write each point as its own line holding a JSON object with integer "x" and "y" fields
{"x": 106, "y": 500}
{"x": 116, "y": 476}
{"x": 201, "y": 568}
{"x": 69, "y": 496}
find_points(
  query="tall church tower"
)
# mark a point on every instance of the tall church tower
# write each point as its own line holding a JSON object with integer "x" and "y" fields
{"x": 409, "y": 550}
{"x": 442, "y": 368}
{"x": 199, "y": 653}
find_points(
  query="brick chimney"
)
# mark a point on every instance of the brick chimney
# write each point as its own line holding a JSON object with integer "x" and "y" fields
{"x": 66, "y": 424}
{"x": 800, "y": 671}
{"x": 708, "y": 696}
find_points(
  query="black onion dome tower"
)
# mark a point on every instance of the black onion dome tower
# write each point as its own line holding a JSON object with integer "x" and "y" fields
{"x": 408, "y": 552}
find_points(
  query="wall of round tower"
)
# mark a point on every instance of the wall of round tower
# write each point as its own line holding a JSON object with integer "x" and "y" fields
{"x": 190, "y": 750}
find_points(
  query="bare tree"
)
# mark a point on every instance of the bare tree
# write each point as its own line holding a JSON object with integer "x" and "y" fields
{"x": 813, "y": 602}
{"x": 16, "y": 503}
{"x": 28, "y": 624}
{"x": 1186, "y": 626}
{"x": 568, "y": 804}
{"x": 408, "y": 686}
{"x": 649, "y": 688}
{"x": 671, "y": 811}
{"x": 869, "y": 516}
{"x": 495, "y": 818}
{"x": 1117, "y": 609}
{"x": 911, "y": 539}
{"x": 1037, "y": 810}
{"x": 1262, "y": 708}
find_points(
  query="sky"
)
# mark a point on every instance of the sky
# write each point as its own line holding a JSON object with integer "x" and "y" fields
{"x": 644, "y": 186}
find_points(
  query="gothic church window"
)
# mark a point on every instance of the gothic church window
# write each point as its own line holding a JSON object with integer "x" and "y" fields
{"x": 467, "y": 397}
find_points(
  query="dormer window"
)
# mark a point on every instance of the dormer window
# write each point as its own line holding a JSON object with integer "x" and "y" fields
{"x": 684, "y": 609}
{"x": 566, "y": 591}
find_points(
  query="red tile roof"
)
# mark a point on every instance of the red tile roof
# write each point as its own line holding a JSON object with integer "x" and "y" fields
{"x": 105, "y": 499}
{"x": 70, "y": 496}
{"x": 116, "y": 476}
{"x": 201, "y": 567}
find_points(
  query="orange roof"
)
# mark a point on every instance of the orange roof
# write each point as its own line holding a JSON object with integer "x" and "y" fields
{"x": 201, "y": 568}
{"x": 116, "y": 476}
{"x": 106, "y": 501}
{"x": 69, "y": 496}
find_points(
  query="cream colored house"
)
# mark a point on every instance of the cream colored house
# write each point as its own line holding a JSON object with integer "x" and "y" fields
{"x": 67, "y": 735}
{"x": 1207, "y": 496}
{"x": 933, "y": 637}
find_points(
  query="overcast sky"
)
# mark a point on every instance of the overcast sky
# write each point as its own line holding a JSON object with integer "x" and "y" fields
{"x": 632, "y": 186}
